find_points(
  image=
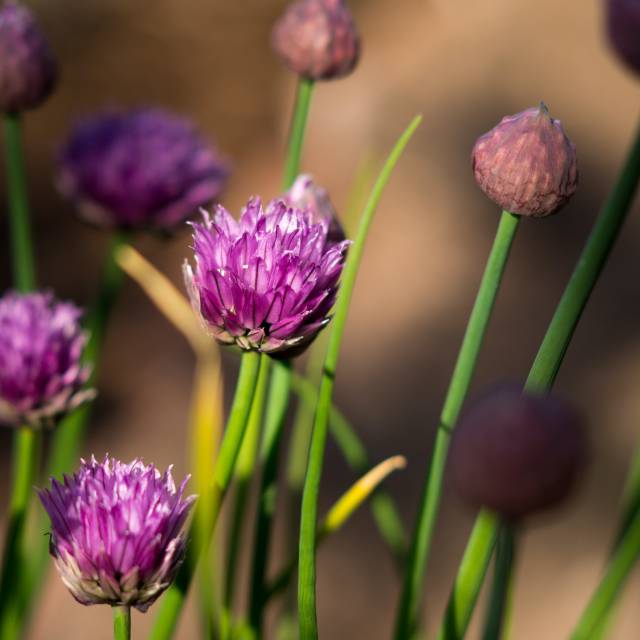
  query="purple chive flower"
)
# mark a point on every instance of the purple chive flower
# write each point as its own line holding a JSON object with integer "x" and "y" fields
{"x": 117, "y": 531}
{"x": 139, "y": 169}
{"x": 28, "y": 70}
{"x": 306, "y": 194}
{"x": 41, "y": 343}
{"x": 268, "y": 281}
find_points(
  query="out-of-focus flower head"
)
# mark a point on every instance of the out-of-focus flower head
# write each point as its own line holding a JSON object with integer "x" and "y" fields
{"x": 28, "y": 71}
{"x": 526, "y": 164}
{"x": 317, "y": 39}
{"x": 623, "y": 28}
{"x": 144, "y": 169}
{"x": 517, "y": 453}
{"x": 41, "y": 344}
{"x": 268, "y": 281}
{"x": 117, "y": 531}
{"x": 306, "y": 194}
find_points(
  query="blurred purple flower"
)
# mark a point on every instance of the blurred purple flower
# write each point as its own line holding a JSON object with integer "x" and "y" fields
{"x": 28, "y": 70}
{"x": 268, "y": 281}
{"x": 623, "y": 28}
{"x": 306, "y": 194}
{"x": 117, "y": 533}
{"x": 139, "y": 169}
{"x": 41, "y": 343}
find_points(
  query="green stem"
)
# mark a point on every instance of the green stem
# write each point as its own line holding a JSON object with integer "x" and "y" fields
{"x": 498, "y": 602}
{"x": 383, "y": 507}
{"x": 610, "y": 587}
{"x": 308, "y": 523}
{"x": 269, "y": 455}
{"x": 173, "y": 601}
{"x": 21, "y": 243}
{"x": 69, "y": 434}
{"x": 244, "y": 473}
{"x": 296, "y": 135}
{"x": 408, "y": 613}
{"x": 473, "y": 567}
{"x": 121, "y": 623}
{"x": 576, "y": 295}
{"x": 25, "y": 465}
{"x": 26, "y": 442}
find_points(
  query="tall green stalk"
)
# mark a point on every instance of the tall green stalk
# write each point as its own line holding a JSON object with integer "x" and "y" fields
{"x": 408, "y": 612}
{"x": 245, "y": 469}
{"x": 307, "y": 559}
{"x": 558, "y": 337}
{"x": 298, "y": 128}
{"x": 121, "y": 623}
{"x": 280, "y": 386}
{"x": 27, "y": 442}
{"x": 269, "y": 456}
{"x": 173, "y": 601}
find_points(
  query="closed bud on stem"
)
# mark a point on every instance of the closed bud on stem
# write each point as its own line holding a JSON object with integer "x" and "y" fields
{"x": 526, "y": 164}
{"x": 517, "y": 453}
{"x": 317, "y": 39}
{"x": 28, "y": 70}
{"x": 623, "y": 28}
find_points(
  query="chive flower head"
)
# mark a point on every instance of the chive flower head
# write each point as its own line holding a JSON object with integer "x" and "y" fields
{"x": 143, "y": 169}
{"x": 266, "y": 282}
{"x": 41, "y": 344}
{"x": 28, "y": 70}
{"x": 117, "y": 531}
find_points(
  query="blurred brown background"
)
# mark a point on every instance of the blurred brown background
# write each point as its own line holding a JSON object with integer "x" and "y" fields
{"x": 463, "y": 65}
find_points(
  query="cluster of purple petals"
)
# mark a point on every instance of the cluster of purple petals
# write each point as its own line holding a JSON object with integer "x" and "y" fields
{"x": 28, "y": 68}
{"x": 117, "y": 531}
{"x": 267, "y": 281}
{"x": 140, "y": 169}
{"x": 41, "y": 344}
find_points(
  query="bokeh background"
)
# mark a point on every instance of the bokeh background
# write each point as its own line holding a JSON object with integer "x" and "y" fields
{"x": 463, "y": 65}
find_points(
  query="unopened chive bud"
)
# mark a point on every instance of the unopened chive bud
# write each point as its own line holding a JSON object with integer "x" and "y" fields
{"x": 526, "y": 164}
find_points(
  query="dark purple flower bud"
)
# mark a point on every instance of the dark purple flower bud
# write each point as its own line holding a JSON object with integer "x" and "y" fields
{"x": 317, "y": 39}
{"x": 266, "y": 282}
{"x": 623, "y": 27}
{"x": 516, "y": 453}
{"x": 41, "y": 343}
{"x": 117, "y": 531}
{"x": 141, "y": 169}
{"x": 306, "y": 194}
{"x": 526, "y": 164}
{"x": 28, "y": 70}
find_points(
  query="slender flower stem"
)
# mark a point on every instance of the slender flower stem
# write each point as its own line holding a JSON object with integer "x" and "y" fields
{"x": 173, "y": 601}
{"x": 561, "y": 329}
{"x": 280, "y": 386}
{"x": 610, "y": 587}
{"x": 269, "y": 456}
{"x": 27, "y": 442}
{"x": 473, "y": 567}
{"x": 21, "y": 243}
{"x": 121, "y": 623}
{"x": 498, "y": 602}
{"x": 307, "y": 560}
{"x": 25, "y": 465}
{"x": 408, "y": 613}
{"x": 383, "y": 507}
{"x": 296, "y": 134}
{"x": 245, "y": 469}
